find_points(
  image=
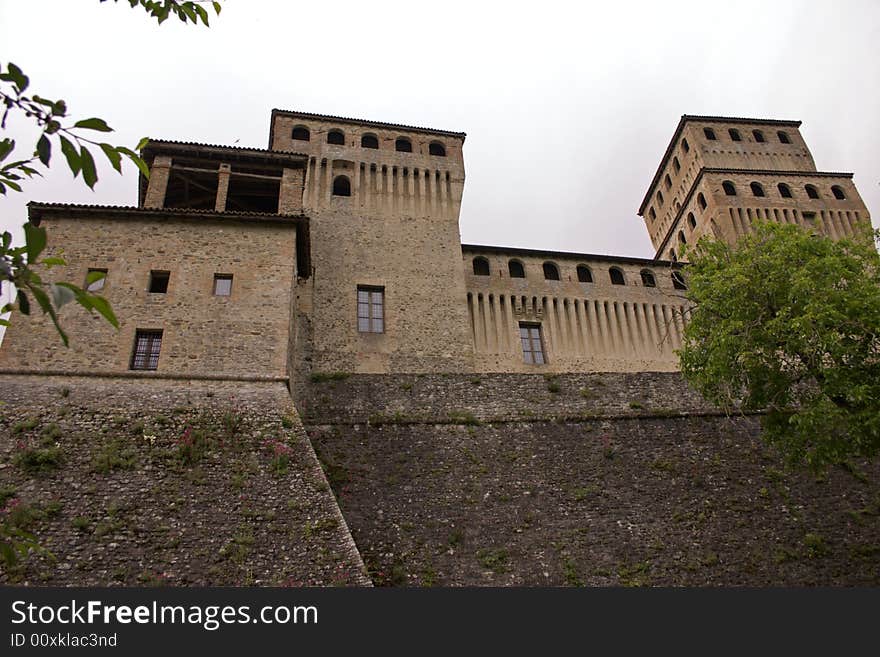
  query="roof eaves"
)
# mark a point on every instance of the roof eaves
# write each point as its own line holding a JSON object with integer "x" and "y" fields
{"x": 375, "y": 124}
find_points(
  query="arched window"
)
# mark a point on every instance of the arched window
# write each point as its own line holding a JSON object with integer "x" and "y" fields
{"x": 784, "y": 190}
{"x": 676, "y": 165}
{"x": 812, "y": 192}
{"x": 668, "y": 181}
{"x": 648, "y": 279}
{"x": 759, "y": 136}
{"x": 481, "y": 266}
{"x": 757, "y": 190}
{"x": 676, "y": 205}
{"x": 838, "y": 193}
{"x": 681, "y": 238}
{"x": 341, "y": 186}
{"x": 684, "y": 145}
{"x": 659, "y": 198}
{"x": 436, "y": 148}
{"x": 678, "y": 281}
{"x": 701, "y": 200}
{"x": 691, "y": 220}
{"x": 783, "y": 137}
{"x": 652, "y": 214}
{"x": 710, "y": 134}
{"x": 729, "y": 188}
{"x": 403, "y": 145}
{"x": 300, "y": 133}
{"x": 584, "y": 274}
{"x": 336, "y": 137}
{"x": 672, "y": 255}
{"x": 515, "y": 269}
{"x": 616, "y": 276}
{"x": 734, "y": 134}
{"x": 369, "y": 141}
{"x": 551, "y": 272}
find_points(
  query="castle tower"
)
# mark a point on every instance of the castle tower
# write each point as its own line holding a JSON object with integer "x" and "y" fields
{"x": 387, "y": 288}
{"x": 720, "y": 174}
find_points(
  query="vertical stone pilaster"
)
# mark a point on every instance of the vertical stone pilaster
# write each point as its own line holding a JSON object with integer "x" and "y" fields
{"x": 158, "y": 183}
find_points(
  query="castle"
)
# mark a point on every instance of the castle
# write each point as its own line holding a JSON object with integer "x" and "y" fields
{"x": 337, "y": 250}
{"x": 404, "y": 408}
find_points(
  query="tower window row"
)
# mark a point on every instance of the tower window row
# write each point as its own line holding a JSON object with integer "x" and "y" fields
{"x": 757, "y": 135}
{"x": 516, "y": 269}
{"x": 337, "y": 137}
{"x": 784, "y": 190}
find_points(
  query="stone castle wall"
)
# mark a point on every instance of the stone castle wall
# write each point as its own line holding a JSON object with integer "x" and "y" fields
{"x": 99, "y": 473}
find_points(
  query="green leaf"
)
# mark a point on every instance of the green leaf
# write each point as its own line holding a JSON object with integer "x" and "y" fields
{"x": 217, "y": 7}
{"x": 90, "y": 176}
{"x": 23, "y": 304}
{"x": 6, "y": 147}
{"x": 43, "y": 299}
{"x": 93, "y": 124}
{"x": 142, "y": 144}
{"x": 35, "y": 238}
{"x": 52, "y": 262}
{"x": 203, "y": 14}
{"x": 103, "y": 306}
{"x": 18, "y": 77}
{"x": 95, "y": 276}
{"x": 44, "y": 150}
{"x": 73, "y": 159}
{"x": 134, "y": 157}
{"x": 112, "y": 155}
{"x": 13, "y": 185}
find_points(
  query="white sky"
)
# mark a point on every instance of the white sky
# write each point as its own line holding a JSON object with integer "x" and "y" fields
{"x": 568, "y": 106}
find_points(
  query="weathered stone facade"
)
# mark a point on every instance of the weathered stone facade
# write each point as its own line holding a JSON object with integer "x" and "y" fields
{"x": 454, "y": 392}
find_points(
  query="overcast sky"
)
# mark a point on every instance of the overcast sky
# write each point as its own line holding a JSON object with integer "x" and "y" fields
{"x": 568, "y": 106}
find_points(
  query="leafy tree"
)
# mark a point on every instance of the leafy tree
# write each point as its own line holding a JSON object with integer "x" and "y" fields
{"x": 19, "y": 264}
{"x": 788, "y": 322}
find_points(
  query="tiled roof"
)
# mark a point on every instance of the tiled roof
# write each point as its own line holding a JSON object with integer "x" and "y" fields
{"x": 245, "y": 150}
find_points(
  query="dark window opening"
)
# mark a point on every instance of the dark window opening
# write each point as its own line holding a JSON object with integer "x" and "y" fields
{"x": 759, "y": 136}
{"x": 403, "y": 145}
{"x": 222, "y": 285}
{"x": 532, "y": 345}
{"x": 685, "y": 146}
{"x": 652, "y": 214}
{"x": 783, "y": 137}
{"x": 584, "y": 274}
{"x": 371, "y": 309}
{"x": 301, "y": 133}
{"x": 481, "y": 267}
{"x": 838, "y": 193}
{"x": 95, "y": 280}
{"x": 616, "y": 276}
{"x": 672, "y": 255}
{"x": 252, "y": 194}
{"x": 812, "y": 192}
{"x": 668, "y": 181}
{"x": 369, "y": 141}
{"x": 681, "y": 238}
{"x": 676, "y": 164}
{"x": 710, "y": 134}
{"x": 195, "y": 190}
{"x": 648, "y": 279}
{"x": 660, "y": 199}
{"x": 159, "y": 282}
{"x": 734, "y": 134}
{"x": 437, "y": 149}
{"x": 784, "y": 190}
{"x": 336, "y": 137}
{"x": 551, "y": 272}
{"x": 757, "y": 190}
{"x": 341, "y": 186}
{"x": 809, "y": 216}
{"x": 701, "y": 200}
{"x": 146, "y": 350}
{"x": 515, "y": 269}
{"x": 678, "y": 281}
{"x": 691, "y": 220}
{"x": 729, "y": 188}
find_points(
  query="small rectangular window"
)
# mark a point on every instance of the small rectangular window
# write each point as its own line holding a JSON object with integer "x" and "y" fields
{"x": 371, "y": 309}
{"x": 532, "y": 346}
{"x": 146, "y": 349}
{"x": 222, "y": 285}
{"x": 159, "y": 281}
{"x": 94, "y": 282}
